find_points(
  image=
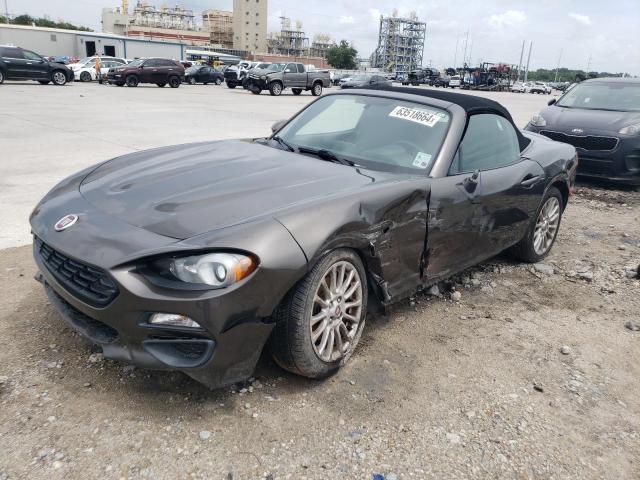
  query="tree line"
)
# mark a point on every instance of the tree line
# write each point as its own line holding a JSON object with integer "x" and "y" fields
{"x": 43, "y": 22}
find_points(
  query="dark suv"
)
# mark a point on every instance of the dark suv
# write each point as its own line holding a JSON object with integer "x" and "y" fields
{"x": 19, "y": 64}
{"x": 148, "y": 70}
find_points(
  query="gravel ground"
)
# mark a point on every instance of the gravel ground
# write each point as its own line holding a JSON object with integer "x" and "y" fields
{"x": 532, "y": 373}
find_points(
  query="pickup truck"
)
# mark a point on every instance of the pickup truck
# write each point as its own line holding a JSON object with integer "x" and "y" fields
{"x": 279, "y": 76}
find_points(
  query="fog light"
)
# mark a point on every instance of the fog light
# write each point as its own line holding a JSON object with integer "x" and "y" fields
{"x": 173, "y": 320}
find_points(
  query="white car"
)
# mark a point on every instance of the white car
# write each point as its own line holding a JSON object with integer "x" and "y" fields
{"x": 518, "y": 87}
{"x": 455, "y": 81}
{"x": 85, "y": 69}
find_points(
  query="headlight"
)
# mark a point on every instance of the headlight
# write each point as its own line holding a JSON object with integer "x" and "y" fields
{"x": 216, "y": 269}
{"x": 630, "y": 129}
{"x": 538, "y": 120}
{"x": 263, "y": 77}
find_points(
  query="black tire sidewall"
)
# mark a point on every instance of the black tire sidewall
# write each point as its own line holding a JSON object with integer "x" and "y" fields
{"x": 53, "y": 78}
{"x": 275, "y": 89}
{"x": 131, "y": 81}
{"x": 296, "y": 327}
{"x": 174, "y": 82}
{"x": 1, "y": 77}
{"x": 318, "y": 87}
{"x": 525, "y": 250}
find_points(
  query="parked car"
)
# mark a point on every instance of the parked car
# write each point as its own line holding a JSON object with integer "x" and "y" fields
{"x": 538, "y": 87}
{"x": 233, "y": 245}
{"x": 601, "y": 119}
{"x": 161, "y": 71}
{"x": 440, "y": 82}
{"x": 518, "y": 87}
{"x": 456, "y": 81}
{"x": 279, "y": 76}
{"x": 86, "y": 72}
{"x": 19, "y": 64}
{"x": 84, "y": 69}
{"x": 235, "y": 75}
{"x": 203, "y": 74}
{"x": 366, "y": 80}
{"x": 345, "y": 79}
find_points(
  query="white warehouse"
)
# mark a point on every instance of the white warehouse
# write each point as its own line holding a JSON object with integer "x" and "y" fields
{"x": 74, "y": 43}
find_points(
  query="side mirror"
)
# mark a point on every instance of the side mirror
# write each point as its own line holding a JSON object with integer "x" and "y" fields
{"x": 288, "y": 70}
{"x": 471, "y": 183}
{"x": 552, "y": 101}
{"x": 278, "y": 125}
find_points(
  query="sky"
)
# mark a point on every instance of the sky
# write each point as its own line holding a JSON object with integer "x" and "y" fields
{"x": 579, "y": 33}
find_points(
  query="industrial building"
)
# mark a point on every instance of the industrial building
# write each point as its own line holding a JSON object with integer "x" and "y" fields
{"x": 152, "y": 23}
{"x": 219, "y": 24}
{"x": 400, "y": 44}
{"x": 75, "y": 43}
{"x": 250, "y": 25}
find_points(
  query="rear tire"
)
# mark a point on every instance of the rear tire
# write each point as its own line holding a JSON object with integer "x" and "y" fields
{"x": 218, "y": 81}
{"x": 1, "y": 77}
{"x": 192, "y": 81}
{"x": 85, "y": 77}
{"x": 527, "y": 249}
{"x": 316, "y": 90}
{"x": 174, "y": 82}
{"x": 296, "y": 91}
{"x": 275, "y": 89}
{"x": 132, "y": 81}
{"x": 256, "y": 91}
{"x": 231, "y": 86}
{"x": 310, "y": 339}
{"x": 58, "y": 78}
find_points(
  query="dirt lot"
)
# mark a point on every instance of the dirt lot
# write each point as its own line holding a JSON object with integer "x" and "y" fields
{"x": 533, "y": 374}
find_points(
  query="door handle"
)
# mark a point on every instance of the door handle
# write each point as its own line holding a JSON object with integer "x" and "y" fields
{"x": 530, "y": 180}
{"x": 29, "y": 63}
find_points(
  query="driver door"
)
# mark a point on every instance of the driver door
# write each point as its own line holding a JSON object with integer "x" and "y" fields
{"x": 487, "y": 201}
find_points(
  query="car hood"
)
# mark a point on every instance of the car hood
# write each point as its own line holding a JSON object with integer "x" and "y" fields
{"x": 594, "y": 121}
{"x": 262, "y": 71}
{"x": 186, "y": 190}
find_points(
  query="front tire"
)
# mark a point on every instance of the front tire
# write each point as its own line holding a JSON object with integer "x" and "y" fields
{"x": 316, "y": 91}
{"x": 85, "y": 77}
{"x": 192, "y": 81}
{"x": 1, "y": 77}
{"x": 275, "y": 89}
{"x": 319, "y": 323}
{"x": 218, "y": 81}
{"x": 174, "y": 82}
{"x": 231, "y": 86}
{"x": 58, "y": 78}
{"x": 132, "y": 81}
{"x": 542, "y": 233}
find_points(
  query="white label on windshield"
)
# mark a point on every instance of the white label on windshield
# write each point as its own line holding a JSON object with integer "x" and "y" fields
{"x": 423, "y": 117}
{"x": 422, "y": 160}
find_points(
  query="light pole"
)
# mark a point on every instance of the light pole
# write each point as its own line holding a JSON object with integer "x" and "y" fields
{"x": 558, "y": 67}
{"x": 6, "y": 12}
{"x": 520, "y": 62}
{"x": 526, "y": 72}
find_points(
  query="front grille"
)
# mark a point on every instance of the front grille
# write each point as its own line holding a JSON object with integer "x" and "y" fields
{"x": 586, "y": 142}
{"x": 595, "y": 166}
{"x": 230, "y": 75}
{"x": 90, "y": 284}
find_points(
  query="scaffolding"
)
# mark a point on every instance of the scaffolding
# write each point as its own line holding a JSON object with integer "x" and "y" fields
{"x": 289, "y": 41}
{"x": 145, "y": 15}
{"x": 220, "y": 24}
{"x": 400, "y": 44}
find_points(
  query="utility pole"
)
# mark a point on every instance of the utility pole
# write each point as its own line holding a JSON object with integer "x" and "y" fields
{"x": 526, "y": 72}
{"x": 455, "y": 57}
{"x": 470, "y": 50}
{"x": 520, "y": 62}
{"x": 466, "y": 43}
{"x": 588, "y": 66}
{"x": 6, "y": 12}
{"x": 558, "y": 67}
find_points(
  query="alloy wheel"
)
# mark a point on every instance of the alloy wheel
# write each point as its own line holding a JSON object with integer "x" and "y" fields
{"x": 336, "y": 312}
{"x": 59, "y": 78}
{"x": 546, "y": 226}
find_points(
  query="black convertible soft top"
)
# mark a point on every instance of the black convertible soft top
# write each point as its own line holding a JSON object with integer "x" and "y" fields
{"x": 472, "y": 104}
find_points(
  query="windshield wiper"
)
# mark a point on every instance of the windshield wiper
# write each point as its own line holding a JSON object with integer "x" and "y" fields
{"x": 328, "y": 155}
{"x": 284, "y": 143}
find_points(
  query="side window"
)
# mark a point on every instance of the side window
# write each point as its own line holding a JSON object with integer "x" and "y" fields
{"x": 291, "y": 67}
{"x": 31, "y": 56}
{"x": 300, "y": 68}
{"x": 489, "y": 142}
{"x": 12, "y": 53}
{"x": 167, "y": 63}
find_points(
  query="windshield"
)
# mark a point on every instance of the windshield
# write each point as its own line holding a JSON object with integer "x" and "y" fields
{"x": 378, "y": 133}
{"x": 276, "y": 67}
{"x": 621, "y": 97}
{"x": 360, "y": 78}
{"x": 193, "y": 69}
{"x": 136, "y": 63}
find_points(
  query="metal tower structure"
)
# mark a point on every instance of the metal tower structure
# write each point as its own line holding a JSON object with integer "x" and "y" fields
{"x": 400, "y": 44}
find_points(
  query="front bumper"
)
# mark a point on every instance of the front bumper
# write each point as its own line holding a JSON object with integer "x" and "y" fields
{"x": 236, "y": 321}
{"x": 619, "y": 165}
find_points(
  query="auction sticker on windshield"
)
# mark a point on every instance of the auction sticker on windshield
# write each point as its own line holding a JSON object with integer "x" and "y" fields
{"x": 423, "y": 117}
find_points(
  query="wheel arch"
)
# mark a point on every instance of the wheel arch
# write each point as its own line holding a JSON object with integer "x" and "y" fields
{"x": 562, "y": 184}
